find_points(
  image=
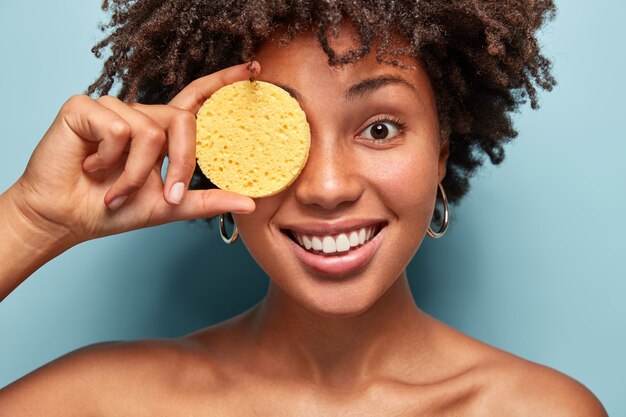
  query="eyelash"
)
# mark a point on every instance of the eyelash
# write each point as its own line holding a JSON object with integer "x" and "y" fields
{"x": 399, "y": 124}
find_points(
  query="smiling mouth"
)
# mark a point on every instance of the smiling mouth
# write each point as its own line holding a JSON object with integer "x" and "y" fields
{"x": 335, "y": 244}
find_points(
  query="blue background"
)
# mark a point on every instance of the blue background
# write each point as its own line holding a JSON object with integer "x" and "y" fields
{"x": 533, "y": 262}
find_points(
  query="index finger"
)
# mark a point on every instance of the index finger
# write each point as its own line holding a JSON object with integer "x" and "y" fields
{"x": 195, "y": 94}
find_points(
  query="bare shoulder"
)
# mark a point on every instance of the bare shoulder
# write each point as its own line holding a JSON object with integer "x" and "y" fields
{"x": 507, "y": 385}
{"x": 124, "y": 374}
{"x": 522, "y": 388}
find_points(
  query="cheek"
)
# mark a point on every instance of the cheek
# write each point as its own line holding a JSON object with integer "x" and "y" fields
{"x": 254, "y": 227}
{"x": 406, "y": 181}
{"x": 407, "y": 185}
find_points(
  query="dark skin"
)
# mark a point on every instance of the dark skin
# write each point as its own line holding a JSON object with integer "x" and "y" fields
{"x": 483, "y": 56}
{"x": 352, "y": 343}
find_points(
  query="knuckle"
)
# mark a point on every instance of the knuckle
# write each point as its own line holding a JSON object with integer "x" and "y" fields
{"x": 119, "y": 129}
{"x": 194, "y": 83}
{"x": 75, "y": 102}
{"x": 107, "y": 100}
{"x": 154, "y": 135}
{"x": 186, "y": 117}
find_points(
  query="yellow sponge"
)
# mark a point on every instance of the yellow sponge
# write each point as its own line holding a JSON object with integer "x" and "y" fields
{"x": 252, "y": 138}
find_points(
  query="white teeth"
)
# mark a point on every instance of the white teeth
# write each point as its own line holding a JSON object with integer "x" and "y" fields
{"x": 329, "y": 245}
{"x": 354, "y": 239}
{"x": 316, "y": 243}
{"x": 332, "y": 244}
{"x": 342, "y": 242}
{"x": 362, "y": 236}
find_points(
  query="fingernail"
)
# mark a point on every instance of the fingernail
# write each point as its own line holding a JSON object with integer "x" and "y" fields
{"x": 117, "y": 202}
{"x": 176, "y": 192}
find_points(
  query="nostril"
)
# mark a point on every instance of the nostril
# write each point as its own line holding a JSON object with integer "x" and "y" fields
{"x": 328, "y": 192}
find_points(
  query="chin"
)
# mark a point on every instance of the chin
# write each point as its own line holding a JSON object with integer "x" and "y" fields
{"x": 340, "y": 301}
{"x": 338, "y": 311}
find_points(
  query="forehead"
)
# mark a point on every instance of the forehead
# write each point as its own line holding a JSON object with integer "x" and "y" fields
{"x": 302, "y": 63}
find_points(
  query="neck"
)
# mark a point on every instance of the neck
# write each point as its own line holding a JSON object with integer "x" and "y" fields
{"x": 340, "y": 350}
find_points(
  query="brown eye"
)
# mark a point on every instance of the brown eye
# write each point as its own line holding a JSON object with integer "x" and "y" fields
{"x": 382, "y": 130}
{"x": 379, "y": 131}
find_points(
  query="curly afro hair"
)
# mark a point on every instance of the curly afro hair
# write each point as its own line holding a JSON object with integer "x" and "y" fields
{"x": 482, "y": 56}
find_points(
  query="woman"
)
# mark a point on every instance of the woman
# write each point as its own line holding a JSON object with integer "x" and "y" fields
{"x": 413, "y": 95}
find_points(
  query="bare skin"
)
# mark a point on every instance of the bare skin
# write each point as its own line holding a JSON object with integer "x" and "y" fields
{"x": 350, "y": 343}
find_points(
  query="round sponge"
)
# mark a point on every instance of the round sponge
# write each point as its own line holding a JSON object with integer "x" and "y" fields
{"x": 252, "y": 138}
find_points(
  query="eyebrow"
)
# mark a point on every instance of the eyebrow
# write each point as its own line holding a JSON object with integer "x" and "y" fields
{"x": 360, "y": 89}
{"x": 370, "y": 85}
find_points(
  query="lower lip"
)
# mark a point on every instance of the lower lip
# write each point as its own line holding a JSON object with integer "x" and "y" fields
{"x": 339, "y": 264}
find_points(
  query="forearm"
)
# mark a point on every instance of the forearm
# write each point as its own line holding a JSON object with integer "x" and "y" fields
{"x": 25, "y": 243}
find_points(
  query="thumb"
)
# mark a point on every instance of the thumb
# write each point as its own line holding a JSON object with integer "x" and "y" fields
{"x": 198, "y": 204}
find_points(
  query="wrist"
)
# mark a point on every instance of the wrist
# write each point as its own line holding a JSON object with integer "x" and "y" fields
{"x": 31, "y": 229}
{"x": 26, "y": 244}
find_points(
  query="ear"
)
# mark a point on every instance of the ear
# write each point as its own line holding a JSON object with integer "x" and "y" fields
{"x": 444, "y": 152}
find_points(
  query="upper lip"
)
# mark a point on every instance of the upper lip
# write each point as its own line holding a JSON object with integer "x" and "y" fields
{"x": 331, "y": 228}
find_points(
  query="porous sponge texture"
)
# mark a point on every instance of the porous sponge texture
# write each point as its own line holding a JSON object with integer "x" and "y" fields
{"x": 252, "y": 138}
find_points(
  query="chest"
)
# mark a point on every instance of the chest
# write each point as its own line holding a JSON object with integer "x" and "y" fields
{"x": 285, "y": 400}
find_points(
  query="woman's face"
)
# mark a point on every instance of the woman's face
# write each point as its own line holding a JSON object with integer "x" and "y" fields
{"x": 375, "y": 160}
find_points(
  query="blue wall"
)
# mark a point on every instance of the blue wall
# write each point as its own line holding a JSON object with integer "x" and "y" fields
{"x": 533, "y": 263}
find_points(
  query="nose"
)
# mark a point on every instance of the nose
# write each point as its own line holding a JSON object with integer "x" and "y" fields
{"x": 331, "y": 177}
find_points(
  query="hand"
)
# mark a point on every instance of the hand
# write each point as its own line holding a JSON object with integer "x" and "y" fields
{"x": 97, "y": 171}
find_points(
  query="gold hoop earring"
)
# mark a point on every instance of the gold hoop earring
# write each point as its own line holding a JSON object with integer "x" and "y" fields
{"x": 224, "y": 234}
{"x": 446, "y": 216}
